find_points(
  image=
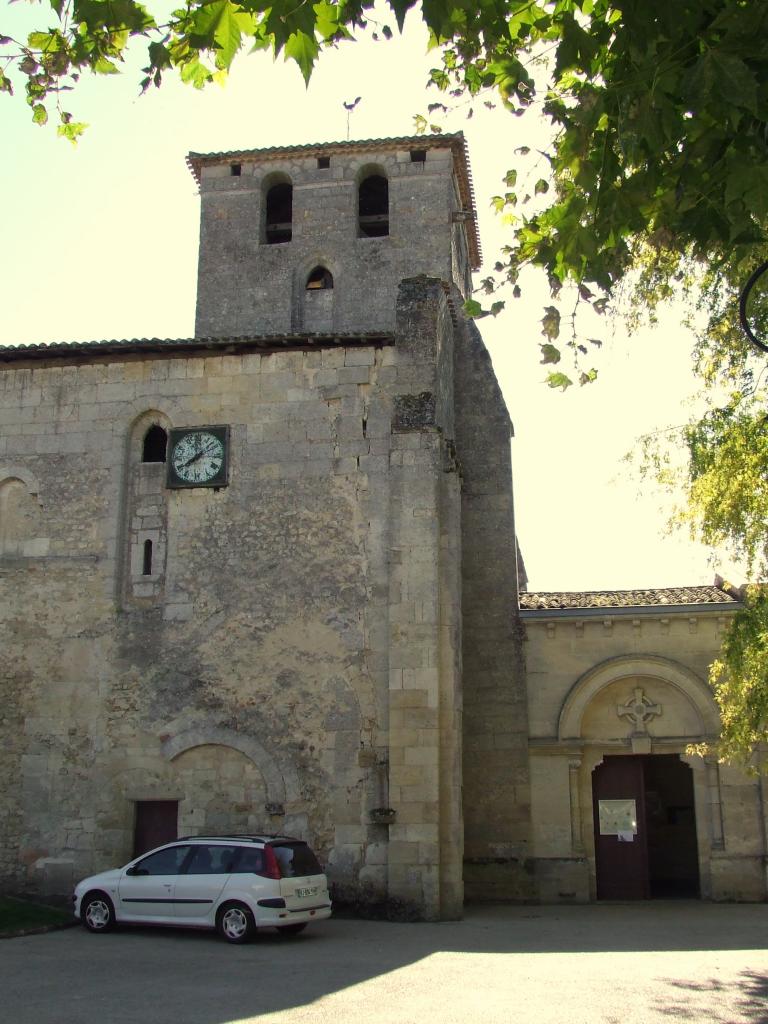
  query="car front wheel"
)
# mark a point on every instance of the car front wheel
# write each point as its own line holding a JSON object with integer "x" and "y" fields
{"x": 98, "y": 914}
{"x": 235, "y": 922}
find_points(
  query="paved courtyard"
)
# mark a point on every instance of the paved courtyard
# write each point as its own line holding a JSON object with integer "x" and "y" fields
{"x": 617, "y": 964}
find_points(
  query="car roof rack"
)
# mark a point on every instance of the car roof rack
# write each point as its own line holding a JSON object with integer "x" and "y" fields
{"x": 253, "y": 837}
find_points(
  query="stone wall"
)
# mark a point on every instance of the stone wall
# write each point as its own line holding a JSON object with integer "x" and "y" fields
{"x": 292, "y": 662}
{"x": 495, "y": 759}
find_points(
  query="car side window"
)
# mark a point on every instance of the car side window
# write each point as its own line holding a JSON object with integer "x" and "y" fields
{"x": 211, "y": 860}
{"x": 164, "y": 862}
{"x": 251, "y": 861}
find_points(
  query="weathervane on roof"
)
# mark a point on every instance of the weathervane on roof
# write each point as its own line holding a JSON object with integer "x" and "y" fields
{"x": 753, "y": 307}
{"x": 349, "y": 107}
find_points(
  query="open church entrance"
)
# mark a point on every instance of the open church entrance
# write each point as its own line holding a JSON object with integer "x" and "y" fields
{"x": 645, "y": 828}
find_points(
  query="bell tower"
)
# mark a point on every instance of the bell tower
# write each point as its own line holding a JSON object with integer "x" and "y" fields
{"x": 317, "y": 238}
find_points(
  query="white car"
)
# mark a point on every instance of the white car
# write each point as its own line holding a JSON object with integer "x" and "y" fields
{"x": 235, "y": 884}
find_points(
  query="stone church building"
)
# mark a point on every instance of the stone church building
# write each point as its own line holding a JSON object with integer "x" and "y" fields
{"x": 266, "y": 579}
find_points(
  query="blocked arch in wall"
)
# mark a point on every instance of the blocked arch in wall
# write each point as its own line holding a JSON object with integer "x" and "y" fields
{"x": 673, "y": 674}
{"x": 20, "y": 512}
{"x": 282, "y": 782}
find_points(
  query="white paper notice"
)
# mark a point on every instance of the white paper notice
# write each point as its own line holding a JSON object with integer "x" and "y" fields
{"x": 626, "y": 837}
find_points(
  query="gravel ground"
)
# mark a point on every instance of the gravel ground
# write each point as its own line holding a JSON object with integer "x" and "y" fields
{"x": 621, "y": 963}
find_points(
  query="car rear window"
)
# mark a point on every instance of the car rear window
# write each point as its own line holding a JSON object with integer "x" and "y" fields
{"x": 248, "y": 861}
{"x": 296, "y": 859}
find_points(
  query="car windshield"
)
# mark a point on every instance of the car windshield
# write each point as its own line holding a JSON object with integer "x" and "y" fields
{"x": 296, "y": 859}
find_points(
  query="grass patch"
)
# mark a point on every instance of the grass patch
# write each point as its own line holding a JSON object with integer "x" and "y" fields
{"x": 21, "y": 916}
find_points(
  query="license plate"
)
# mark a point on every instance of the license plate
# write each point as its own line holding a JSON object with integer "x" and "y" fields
{"x": 307, "y": 892}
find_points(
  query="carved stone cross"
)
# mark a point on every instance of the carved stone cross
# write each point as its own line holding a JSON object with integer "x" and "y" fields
{"x": 639, "y": 710}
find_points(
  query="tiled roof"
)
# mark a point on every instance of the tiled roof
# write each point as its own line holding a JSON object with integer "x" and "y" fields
{"x": 61, "y": 349}
{"x": 626, "y": 598}
{"x": 454, "y": 141}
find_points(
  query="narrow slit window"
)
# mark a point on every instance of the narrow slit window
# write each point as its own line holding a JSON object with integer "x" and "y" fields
{"x": 146, "y": 566}
{"x": 373, "y": 206}
{"x": 319, "y": 279}
{"x": 279, "y": 222}
{"x": 155, "y": 445}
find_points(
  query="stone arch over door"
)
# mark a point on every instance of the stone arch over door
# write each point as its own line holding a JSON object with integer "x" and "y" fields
{"x": 630, "y": 668}
{"x": 230, "y": 782}
{"x": 598, "y": 718}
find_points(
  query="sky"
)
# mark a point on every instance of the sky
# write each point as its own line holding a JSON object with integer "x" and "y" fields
{"x": 100, "y": 241}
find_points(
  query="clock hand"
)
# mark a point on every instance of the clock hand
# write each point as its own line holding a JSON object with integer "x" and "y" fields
{"x": 194, "y": 458}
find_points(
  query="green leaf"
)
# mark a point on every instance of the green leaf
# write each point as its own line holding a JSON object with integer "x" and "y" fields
{"x": 71, "y": 130}
{"x": 39, "y": 114}
{"x": 541, "y": 187}
{"x": 220, "y": 26}
{"x": 303, "y": 49}
{"x": 473, "y": 309}
{"x": 550, "y": 323}
{"x": 401, "y": 8}
{"x": 102, "y": 66}
{"x": 194, "y": 73}
{"x": 588, "y": 377}
{"x": 549, "y": 354}
{"x": 558, "y": 380}
{"x": 735, "y": 82}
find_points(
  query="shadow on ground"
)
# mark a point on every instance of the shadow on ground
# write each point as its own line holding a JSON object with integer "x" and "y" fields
{"x": 154, "y": 975}
{"x": 748, "y": 994}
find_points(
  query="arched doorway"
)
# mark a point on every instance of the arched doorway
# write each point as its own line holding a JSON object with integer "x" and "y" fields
{"x": 645, "y": 828}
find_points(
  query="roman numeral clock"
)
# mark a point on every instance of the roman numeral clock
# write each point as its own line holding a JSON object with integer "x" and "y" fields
{"x": 198, "y": 457}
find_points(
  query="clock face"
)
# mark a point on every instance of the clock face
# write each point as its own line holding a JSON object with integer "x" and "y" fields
{"x": 198, "y": 457}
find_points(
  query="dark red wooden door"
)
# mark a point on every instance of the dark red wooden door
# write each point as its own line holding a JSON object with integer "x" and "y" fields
{"x": 621, "y": 860}
{"x": 156, "y": 823}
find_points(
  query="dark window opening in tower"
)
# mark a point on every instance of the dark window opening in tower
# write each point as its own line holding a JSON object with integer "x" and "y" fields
{"x": 319, "y": 278}
{"x": 146, "y": 569}
{"x": 155, "y": 445}
{"x": 373, "y": 208}
{"x": 418, "y": 156}
{"x": 323, "y": 163}
{"x": 279, "y": 223}
{"x": 235, "y": 170}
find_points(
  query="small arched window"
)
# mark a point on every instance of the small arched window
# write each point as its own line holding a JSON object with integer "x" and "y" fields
{"x": 373, "y": 206}
{"x": 319, "y": 279}
{"x": 155, "y": 445}
{"x": 146, "y": 567}
{"x": 279, "y": 214}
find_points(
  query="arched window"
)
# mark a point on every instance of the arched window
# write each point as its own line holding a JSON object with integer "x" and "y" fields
{"x": 155, "y": 445}
{"x": 373, "y": 206}
{"x": 319, "y": 279}
{"x": 279, "y": 213}
{"x": 146, "y": 566}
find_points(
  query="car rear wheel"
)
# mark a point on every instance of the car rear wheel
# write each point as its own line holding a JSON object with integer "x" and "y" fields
{"x": 287, "y": 931}
{"x": 235, "y": 922}
{"x": 98, "y": 913}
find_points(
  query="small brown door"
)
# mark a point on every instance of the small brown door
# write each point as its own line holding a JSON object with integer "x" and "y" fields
{"x": 621, "y": 859}
{"x": 659, "y": 859}
{"x": 156, "y": 823}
